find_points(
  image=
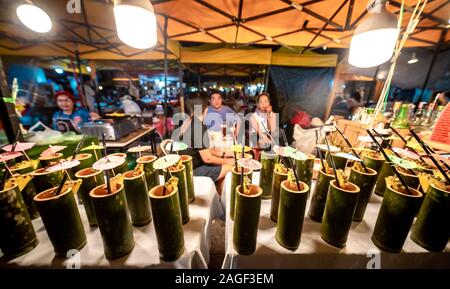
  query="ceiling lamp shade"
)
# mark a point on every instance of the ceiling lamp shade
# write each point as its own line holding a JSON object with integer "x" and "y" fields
{"x": 135, "y": 23}
{"x": 34, "y": 18}
{"x": 413, "y": 59}
{"x": 374, "y": 39}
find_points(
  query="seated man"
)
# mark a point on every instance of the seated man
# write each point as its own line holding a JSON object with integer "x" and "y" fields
{"x": 206, "y": 161}
{"x": 217, "y": 113}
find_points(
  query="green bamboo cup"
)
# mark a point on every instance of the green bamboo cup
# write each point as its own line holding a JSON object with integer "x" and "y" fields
{"x": 291, "y": 213}
{"x": 268, "y": 161}
{"x": 187, "y": 162}
{"x": 50, "y": 160}
{"x": 339, "y": 161}
{"x": 61, "y": 220}
{"x": 373, "y": 162}
{"x": 151, "y": 175}
{"x": 28, "y": 192}
{"x": 319, "y": 196}
{"x": 385, "y": 171}
{"x": 246, "y": 219}
{"x": 276, "y": 185}
{"x": 86, "y": 161}
{"x": 235, "y": 181}
{"x": 24, "y": 167}
{"x": 182, "y": 192}
{"x": 17, "y": 234}
{"x": 410, "y": 179}
{"x": 431, "y": 229}
{"x": 167, "y": 221}
{"x": 113, "y": 220}
{"x": 123, "y": 167}
{"x": 91, "y": 178}
{"x": 337, "y": 216}
{"x": 305, "y": 169}
{"x": 394, "y": 219}
{"x": 137, "y": 198}
{"x": 43, "y": 180}
{"x": 365, "y": 181}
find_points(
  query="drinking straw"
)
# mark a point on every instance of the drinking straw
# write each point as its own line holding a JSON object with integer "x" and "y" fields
{"x": 332, "y": 162}
{"x": 242, "y": 168}
{"x": 427, "y": 151}
{"x": 235, "y": 156}
{"x": 390, "y": 146}
{"x": 404, "y": 140}
{"x": 351, "y": 147}
{"x": 283, "y": 135}
{"x": 77, "y": 149}
{"x": 399, "y": 176}
{"x": 108, "y": 185}
{"x": 168, "y": 170}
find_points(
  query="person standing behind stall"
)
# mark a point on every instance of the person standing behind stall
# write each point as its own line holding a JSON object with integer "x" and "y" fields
{"x": 68, "y": 117}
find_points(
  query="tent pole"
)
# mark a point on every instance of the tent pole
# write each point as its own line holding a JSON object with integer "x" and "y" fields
{"x": 8, "y": 115}
{"x": 80, "y": 78}
{"x": 199, "y": 85}
{"x": 437, "y": 50}
{"x": 166, "y": 96}
{"x": 266, "y": 80}
{"x": 180, "y": 80}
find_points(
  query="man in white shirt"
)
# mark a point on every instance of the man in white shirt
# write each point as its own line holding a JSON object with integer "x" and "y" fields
{"x": 129, "y": 106}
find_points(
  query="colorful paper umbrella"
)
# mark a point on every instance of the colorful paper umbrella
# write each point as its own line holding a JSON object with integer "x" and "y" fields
{"x": 177, "y": 146}
{"x": 52, "y": 150}
{"x": 21, "y": 146}
{"x": 406, "y": 153}
{"x": 299, "y": 156}
{"x": 333, "y": 149}
{"x": 139, "y": 149}
{"x": 63, "y": 166}
{"x": 238, "y": 149}
{"x": 403, "y": 163}
{"x": 284, "y": 151}
{"x": 92, "y": 147}
{"x": 250, "y": 164}
{"x": 4, "y": 157}
{"x": 363, "y": 149}
{"x": 364, "y": 138}
{"x": 348, "y": 156}
{"x": 166, "y": 161}
{"x": 108, "y": 163}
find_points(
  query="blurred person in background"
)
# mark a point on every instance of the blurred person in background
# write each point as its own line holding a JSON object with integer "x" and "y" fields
{"x": 68, "y": 117}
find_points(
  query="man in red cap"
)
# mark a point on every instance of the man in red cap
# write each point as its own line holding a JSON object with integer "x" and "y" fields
{"x": 69, "y": 117}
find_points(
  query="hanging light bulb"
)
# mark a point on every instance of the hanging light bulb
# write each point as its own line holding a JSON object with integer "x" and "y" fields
{"x": 34, "y": 17}
{"x": 374, "y": 39}
{"x": 135, "y": 23}
{"x": 413, "y": 59}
